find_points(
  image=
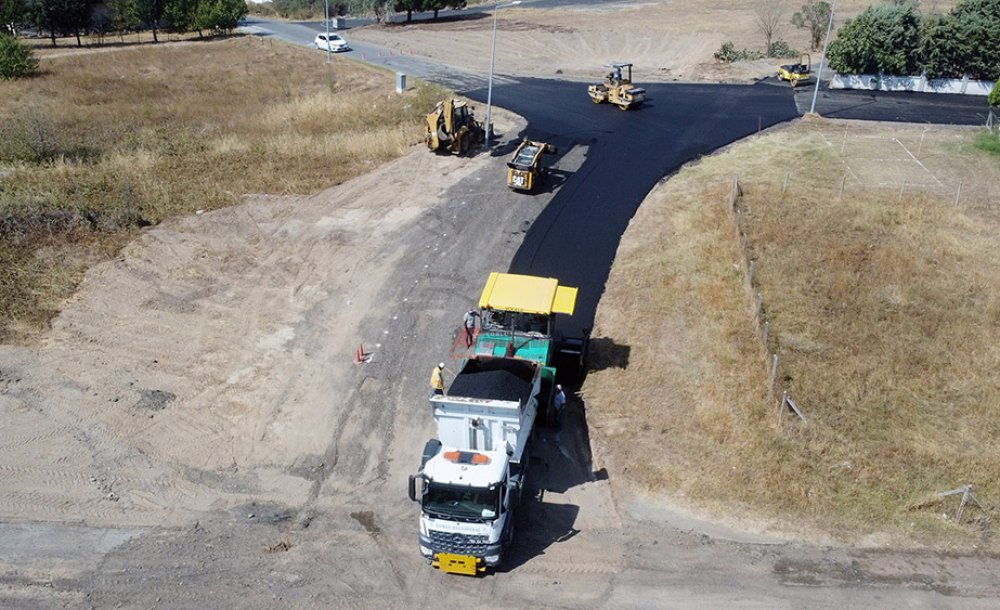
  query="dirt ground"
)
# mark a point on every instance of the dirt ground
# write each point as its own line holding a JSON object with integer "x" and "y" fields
{"x": 193, "y": 432}
{"x": 667, "y": 41}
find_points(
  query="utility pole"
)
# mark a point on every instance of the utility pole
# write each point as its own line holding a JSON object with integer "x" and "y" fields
{"x": 822, "y": 58}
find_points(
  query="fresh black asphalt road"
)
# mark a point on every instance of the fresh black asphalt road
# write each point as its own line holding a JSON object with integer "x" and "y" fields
{"x": 575, "y": 238}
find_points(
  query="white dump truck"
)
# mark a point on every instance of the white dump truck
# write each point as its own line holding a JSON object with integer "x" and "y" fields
{"x": 472, "y": 475}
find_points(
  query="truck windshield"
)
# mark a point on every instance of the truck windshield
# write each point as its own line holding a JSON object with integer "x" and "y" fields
{"x": 463, "y": 503}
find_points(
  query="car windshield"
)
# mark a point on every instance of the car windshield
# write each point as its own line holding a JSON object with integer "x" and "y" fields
{"x": 463, "y": 503}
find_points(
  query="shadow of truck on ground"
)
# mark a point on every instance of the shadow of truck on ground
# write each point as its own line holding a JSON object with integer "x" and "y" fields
{"x": 560, "y": 459}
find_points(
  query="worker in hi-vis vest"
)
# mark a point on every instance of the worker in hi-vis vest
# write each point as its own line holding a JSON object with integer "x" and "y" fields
{"x": 437, "y": 379}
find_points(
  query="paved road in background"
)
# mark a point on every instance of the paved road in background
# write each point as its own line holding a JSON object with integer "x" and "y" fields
{"x": 576, "y": 236}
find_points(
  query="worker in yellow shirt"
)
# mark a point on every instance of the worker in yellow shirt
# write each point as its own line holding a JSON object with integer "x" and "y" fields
{"x": 437, "y": 379}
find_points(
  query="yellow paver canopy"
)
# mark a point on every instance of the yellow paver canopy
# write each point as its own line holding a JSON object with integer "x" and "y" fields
{"x": 527, "y": 294}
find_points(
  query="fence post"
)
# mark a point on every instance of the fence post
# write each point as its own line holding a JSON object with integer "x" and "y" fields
{"x": 958, "y": 193}
{"x": 767, "y": 328}
{"x": 843, "y": 183}
{"x": 901, "y": 189}
{"x": 774, "y": 369}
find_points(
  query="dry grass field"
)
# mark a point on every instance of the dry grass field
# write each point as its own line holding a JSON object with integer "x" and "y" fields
{"x": 883, "y": 302}
{"x": 102, "y": 143}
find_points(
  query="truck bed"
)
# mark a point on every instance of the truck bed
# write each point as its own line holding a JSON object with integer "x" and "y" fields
{"x": 495, "y": 379}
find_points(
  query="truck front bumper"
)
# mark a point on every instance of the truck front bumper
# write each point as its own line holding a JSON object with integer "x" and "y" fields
{"x": 486, "y": 555}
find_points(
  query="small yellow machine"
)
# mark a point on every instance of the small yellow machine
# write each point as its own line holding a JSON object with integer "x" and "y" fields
{"x": 525, "y": 170}
{"x": 451, "y": 126}
{"x": 617, "y": 89}
{"x": 795, "y": 73}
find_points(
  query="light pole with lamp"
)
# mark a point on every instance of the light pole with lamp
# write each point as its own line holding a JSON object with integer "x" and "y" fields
{"x": 493, "y": 56}
{"x": 822, "y": 59}
{"x": 326, "y": 12}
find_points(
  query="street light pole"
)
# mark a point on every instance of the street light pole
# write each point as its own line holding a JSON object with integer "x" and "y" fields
{"x": 822, "y": 59}
{"x": 327, "y": 13}
{"x": 493, "y": 56}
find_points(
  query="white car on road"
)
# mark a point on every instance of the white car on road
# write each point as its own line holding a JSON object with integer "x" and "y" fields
{"x": 335, "y": 43}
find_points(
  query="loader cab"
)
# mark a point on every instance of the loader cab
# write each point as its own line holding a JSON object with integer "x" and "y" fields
{"x": 460, "y": 116}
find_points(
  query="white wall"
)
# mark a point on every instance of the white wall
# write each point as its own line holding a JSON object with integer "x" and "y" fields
{"x": 875, "y": 82}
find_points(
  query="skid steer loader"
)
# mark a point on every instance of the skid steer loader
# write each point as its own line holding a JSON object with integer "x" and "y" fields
{"x": 451, "y": 126}
{"x": 525, "y": 169}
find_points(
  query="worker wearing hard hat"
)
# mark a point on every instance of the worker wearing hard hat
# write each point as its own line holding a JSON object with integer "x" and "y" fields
{"x": 437, "y": 379}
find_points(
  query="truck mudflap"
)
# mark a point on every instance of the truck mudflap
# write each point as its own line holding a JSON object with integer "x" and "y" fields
{"x": 459, "y": 564}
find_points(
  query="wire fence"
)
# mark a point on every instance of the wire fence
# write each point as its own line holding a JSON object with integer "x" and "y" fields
{"x": 777, "y": 389}
{"x": 762, "y": 326}
{"x": 979, "y": 194}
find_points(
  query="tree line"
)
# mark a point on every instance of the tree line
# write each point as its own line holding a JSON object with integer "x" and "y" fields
{"x": 378, "y": 9}
{"x": 896, "y": 38}
{"x": 58, "y": 18}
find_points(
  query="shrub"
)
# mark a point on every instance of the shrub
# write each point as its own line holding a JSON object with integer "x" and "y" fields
{"x": 780, "y": 48}
{"x": 994, "y": 98}
{"x": 729, "y": 53}
{"x": 16, "y": 58}
{"x": 964, "y": 42}
{"x": 884, "y": 38}
{"x": 30, "y": 137}
{"x": 987, "y": 142}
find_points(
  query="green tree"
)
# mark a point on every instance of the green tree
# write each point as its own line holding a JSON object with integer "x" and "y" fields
{"x": 994, "y": 98}
{"x": 438, "y": 5}
{"x": 884, "y": 38}
{"x": 814, "y": 17}
{"x": 942, "y": 50}
{"x": 220, "y": 15}
{"x": 16, "y": 58}
{"x": 966, "y": 41}
{"x": 124, "y": 16}
{"x": 150, "y": 12}
{"x": 60, "y": 17}
{"x": 12, "y": 14}
{"x": 408, "y": 6}
{"x": 379, "y": 9}
{"x": 182, "y": 15}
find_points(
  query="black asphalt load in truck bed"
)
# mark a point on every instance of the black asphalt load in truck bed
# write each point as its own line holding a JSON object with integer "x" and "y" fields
{"x": 495, "y": 379}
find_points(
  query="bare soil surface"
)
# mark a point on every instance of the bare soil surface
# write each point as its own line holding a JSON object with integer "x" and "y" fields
{"x": 194, "y": 431}
{"x": 666, "y": 40}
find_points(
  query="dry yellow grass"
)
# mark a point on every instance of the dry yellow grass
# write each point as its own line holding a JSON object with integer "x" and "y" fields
{"x": 884, "y": 310}
{"x": 104, "y": 142}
